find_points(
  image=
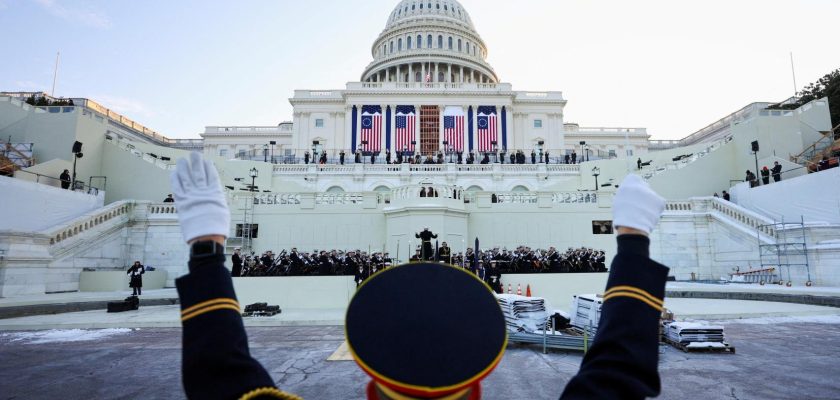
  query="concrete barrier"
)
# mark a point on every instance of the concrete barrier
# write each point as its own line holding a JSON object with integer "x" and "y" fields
{"x": 113, "y": 281}
{"x": 335, "y": 292}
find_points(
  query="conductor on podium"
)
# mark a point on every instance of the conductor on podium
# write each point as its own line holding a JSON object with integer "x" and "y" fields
{"x": 426, "y": 237}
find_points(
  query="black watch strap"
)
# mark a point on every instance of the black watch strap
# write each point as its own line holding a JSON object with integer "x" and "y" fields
{"x": 206, "y": 248}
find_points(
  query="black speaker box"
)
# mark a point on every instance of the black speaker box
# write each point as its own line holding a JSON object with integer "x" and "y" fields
{"x": 77, "y": 147}
{"x": 754, "y": 145}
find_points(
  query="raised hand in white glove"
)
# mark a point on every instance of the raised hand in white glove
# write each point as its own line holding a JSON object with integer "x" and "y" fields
{"x": 202, "y": 209}
{"x": 636, "y": 205}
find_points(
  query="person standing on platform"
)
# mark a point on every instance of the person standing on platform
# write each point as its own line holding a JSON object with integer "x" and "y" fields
{"x": 236, "y": 260}
{"x": 65, "y": 179}
{"x": 574, "y": 157}
{"x": 546, "y": 157}
{"x": 387, "y": 156}
{"x": 639, "y": 163}
{"x": 169, "y": 199}
{"x": 777, "y": 172}
{"x": 622, "y": 362}
{"x": 358, "y": 159}
{"x": 445, "y": 253}
{"x": 726, "y": 195}
{"x": 135, "y": 273}
{"x": 566, "y": 158}
{"x": 533, "y": 157}
{"x": 306, "y": 157}
{"x": 765, "y": 175}
{"x": 341, "y": 157}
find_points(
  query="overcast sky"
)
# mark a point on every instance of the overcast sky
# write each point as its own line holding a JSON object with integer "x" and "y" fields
{"x": 177, "y": 66}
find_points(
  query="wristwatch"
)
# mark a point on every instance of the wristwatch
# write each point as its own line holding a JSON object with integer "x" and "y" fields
{"x": 206, "y": 248}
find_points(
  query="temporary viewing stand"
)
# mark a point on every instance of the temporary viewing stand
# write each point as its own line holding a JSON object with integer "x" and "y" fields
{"x": 789, "y": 249}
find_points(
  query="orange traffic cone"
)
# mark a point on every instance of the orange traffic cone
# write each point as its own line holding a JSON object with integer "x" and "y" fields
{"x": 510, "y": 291}
{"x": 528, "y": 290}
{"x": 519, "y": 289}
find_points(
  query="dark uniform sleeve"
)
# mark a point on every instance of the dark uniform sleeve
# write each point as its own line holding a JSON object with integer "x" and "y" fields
{"x": 216, "y": 360}
{"x": 622, "y": 362}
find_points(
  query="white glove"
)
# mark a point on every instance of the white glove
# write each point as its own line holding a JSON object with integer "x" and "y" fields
{"x": 636, "y": 205}
{"x": 202, "y": 209}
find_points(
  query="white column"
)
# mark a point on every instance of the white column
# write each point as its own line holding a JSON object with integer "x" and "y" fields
{"x": 461, "y": 76}
{"x": 417, "y": 128}
{"x": 449, "y": 73}
{"x": 410, "y": 73}
{"x": 387, "y": 74}
{"x": 440, "y": 125}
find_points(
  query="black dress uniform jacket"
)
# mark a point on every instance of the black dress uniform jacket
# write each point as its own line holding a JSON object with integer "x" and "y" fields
{"x": 621, "y": 364}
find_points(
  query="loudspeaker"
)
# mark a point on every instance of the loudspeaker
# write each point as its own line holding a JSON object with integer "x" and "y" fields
{"x": 272, "y": 142}
{"x": 77, "y": 147}
{"x": 541, "y": 142}
{"x": 754, "y": 145}
{"x": 315, "y": 142}
{"x": 582, "y": 142}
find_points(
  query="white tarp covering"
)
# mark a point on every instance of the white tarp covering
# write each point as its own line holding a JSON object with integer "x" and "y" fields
{"x": 30, "y": 207}
{"x": 816, "y": 197}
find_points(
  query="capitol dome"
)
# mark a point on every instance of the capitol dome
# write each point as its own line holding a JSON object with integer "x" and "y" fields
{"x": 429, "y": 40}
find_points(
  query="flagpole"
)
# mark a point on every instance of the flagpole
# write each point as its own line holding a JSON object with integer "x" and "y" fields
{"x": 55, "y": 73}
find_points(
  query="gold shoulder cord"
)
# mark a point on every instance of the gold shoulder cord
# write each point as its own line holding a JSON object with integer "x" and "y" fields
{"x": 269, "y": 392}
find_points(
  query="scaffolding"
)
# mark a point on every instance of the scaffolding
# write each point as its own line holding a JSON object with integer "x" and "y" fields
{"x": 787, "y": 249}
{"x": 243, "y": 231}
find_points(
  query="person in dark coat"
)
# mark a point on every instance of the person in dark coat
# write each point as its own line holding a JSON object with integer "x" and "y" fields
{"x": 533, "y": 157}
{"x": 726, "y": 195}
{"x": 750, "y": 177}
{"x": 387, "y": 156}
{"x": 306, "y": 157}
{"x": 341, "y": 157}
{"x": 169, "y": 199}
{"x": 135, "y": 272}
{"x": 639, "y": 163}
{"x": 777, "y": 172}
{"x": 65, "y": 179}
{"x": 236, "y": 260}
{"x": 513, "y": 157}
{"x": 546, "y": 157}
{"x": 445, "y": 253}
{"x": 358, "y": 159}
{"x": 566, "y": 158}
{"x": 622, "y": 362}
{"x": 765, "y": 175}
{"x": 426, "y": 237}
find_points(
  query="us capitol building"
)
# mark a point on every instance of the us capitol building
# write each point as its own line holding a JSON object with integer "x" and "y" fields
{"x": 428, "y": 95}
{"x": 429, "y": 83}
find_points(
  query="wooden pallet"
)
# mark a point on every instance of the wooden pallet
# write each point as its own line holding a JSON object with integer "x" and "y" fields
{"x": 728, "y": 348}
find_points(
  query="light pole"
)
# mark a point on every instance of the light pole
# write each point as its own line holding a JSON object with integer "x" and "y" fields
{"x": 253, "y": 173}
{"x": 265, "y": 153}
{"x": 272, "y": 143}
{"x": 595, "y": 172}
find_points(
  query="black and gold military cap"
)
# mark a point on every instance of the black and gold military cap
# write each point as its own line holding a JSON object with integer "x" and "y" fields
{"x": 425, "y": 330}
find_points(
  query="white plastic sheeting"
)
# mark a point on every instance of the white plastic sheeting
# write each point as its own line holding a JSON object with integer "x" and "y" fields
{"x": 816, "y": 197}
{"x": 31, "y": 207}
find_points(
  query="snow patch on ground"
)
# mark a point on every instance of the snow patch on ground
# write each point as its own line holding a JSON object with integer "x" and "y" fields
{"x": 813, "y": 319}
{"x": 63, "y": 335}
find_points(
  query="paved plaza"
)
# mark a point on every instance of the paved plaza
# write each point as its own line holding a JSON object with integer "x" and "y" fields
{"x": 776, "y": 358}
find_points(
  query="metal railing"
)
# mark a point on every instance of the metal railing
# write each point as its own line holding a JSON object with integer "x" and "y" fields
{"x": 78, "y": 186}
